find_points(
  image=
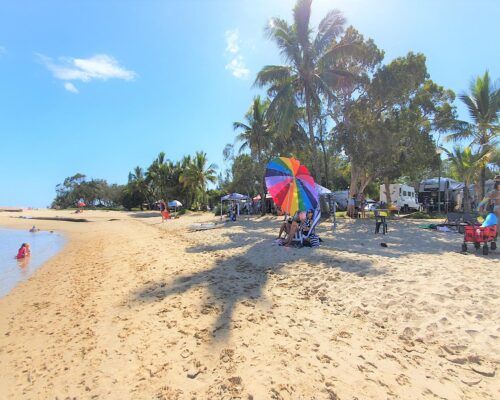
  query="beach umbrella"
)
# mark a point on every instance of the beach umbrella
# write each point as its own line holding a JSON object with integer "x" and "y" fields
{"x": 174, "y": 203}
{"x": 291, "y": 185}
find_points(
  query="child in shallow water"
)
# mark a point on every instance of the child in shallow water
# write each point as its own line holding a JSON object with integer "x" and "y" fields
{"x": 24, "y": 251}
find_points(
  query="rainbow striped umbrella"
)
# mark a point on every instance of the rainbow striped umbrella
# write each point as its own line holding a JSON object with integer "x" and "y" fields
{"x": 291, "y": 185}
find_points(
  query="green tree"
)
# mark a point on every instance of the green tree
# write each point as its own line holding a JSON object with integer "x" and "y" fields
{"x": 195, "y": 178}
{"x": 256, "y": 136}
{"x": 137, "y": 190}
{"x": 390, "y": 128}
{"x": 311, "y": 72}
{"x": 158, "y": 174}
{"x": 465, "y": 166}
{"x": 483, "y": 104}
{"x": 246, "y": 176}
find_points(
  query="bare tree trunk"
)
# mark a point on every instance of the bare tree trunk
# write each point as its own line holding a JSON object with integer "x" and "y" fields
{"x": 325, "y": 160}
{"x": 312, "y": 140}
{"x": 263, "y": 196}
{"x": 364, "y": 183}
{"x": 466, "y": 198}
{"x": 353, "y": 188}
{"x": 387, "y": 191}
{"x": 482, "y": 182}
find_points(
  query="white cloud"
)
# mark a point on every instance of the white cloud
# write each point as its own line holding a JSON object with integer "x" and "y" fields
{"x": 70, "y": 87}
{"x": 232, "y": 38}
{"x": 98, "y": 67}
{"x": 236, "y": 64}
{"x": 238, "y": 68}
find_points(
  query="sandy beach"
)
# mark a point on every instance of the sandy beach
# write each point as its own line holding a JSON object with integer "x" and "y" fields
{"x": 133, "y": 308}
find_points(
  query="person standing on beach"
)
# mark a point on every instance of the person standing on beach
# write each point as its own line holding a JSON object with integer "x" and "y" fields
{"x": 164, "y": 211}
{"x": 362, "y": 205}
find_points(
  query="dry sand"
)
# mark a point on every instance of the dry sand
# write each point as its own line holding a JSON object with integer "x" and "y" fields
{"x": 136, "y": 309}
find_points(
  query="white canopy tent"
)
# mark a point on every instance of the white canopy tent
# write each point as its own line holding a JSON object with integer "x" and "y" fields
{"x": 236, "y": 197}
{"x": 175, "y": 204}
{"x": 322, "y": 190}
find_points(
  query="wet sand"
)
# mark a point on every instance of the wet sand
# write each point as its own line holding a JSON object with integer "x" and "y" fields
{"x": 137, "y": 309}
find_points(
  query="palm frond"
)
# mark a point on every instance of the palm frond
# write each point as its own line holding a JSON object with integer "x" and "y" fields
{"x": 302, "y": 16}
{"x": 283, "y": 108}
{"x": 338, "y": 51}
{"x": 283, "y": 35}
{"x": 271, "y": 74}
{"x": 330, "y": 27}
{"x": 241, "y": 125}
{"x": 472, "y": 106}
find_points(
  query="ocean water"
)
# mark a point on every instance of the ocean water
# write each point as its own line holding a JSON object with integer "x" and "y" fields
{"x": 44, "y": 245}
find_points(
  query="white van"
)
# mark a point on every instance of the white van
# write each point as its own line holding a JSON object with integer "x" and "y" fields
{"x": 403, "y": 197}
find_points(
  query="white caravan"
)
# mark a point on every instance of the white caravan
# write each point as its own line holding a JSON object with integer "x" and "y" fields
{"x": 402, "y": 196}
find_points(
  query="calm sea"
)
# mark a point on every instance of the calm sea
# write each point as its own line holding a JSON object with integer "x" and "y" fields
{"x": 43, "y": 246}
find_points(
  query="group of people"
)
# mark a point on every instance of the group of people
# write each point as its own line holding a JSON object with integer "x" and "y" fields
{"x": 301, "y": 221}
{"x": 356, "y": 206}
{"x": 25, "y": 250}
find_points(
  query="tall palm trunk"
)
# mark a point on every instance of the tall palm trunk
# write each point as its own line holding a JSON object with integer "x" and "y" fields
{"x": 466, "y": 197}
{"x": 312, "y": 141}
{"x": 482, "y": 182}
{"x": 325, "y": 154}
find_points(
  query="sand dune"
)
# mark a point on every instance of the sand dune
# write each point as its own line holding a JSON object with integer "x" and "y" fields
{"x": 138, "y": 309}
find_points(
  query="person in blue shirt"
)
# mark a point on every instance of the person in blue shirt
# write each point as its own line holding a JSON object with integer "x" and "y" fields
{"x": 491, "y": 219}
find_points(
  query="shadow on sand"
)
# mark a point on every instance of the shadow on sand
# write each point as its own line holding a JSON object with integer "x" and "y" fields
{"x": 234, "y": 279}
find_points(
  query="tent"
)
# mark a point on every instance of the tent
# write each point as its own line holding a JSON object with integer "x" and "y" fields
{"x": 175, "y": 204}
{"x": 322, "y": 190}
{"x": 232, "y": 197}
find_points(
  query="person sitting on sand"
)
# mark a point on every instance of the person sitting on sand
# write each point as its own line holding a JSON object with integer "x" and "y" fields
{"x": 24, "y": 251}
{"x": 294, "y": 227}
{"x": 306, "y": 225}
{"x": 285, "y": 226}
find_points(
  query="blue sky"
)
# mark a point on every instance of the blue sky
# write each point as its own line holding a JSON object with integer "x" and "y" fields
{"x": 99, "y": 87}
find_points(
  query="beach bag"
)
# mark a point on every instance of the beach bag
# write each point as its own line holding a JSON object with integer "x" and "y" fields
{"x": 314, "y": 240}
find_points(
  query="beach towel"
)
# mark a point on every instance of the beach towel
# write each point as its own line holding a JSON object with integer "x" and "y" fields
{"x": 428, "y": 226}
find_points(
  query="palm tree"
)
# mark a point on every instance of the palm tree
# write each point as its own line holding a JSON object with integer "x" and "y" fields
{"x": 465, "y": 166}
{"x": 483, "y": 104}
{"x": 158, "y": 174}
{"x": 311, "y": 69}
{"x": 197, "y": 174}
{"x": 137, "y": 183}
{"x": 256, "y": 135}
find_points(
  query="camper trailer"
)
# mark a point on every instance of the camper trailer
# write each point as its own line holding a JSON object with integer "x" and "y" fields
{"x": 403, "y": 197}
{"x": 450, "y": 194}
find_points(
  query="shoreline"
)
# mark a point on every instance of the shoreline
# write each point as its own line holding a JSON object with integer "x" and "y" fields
{"x": 136, "y": 308}
{"x": 45, "y": 245}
